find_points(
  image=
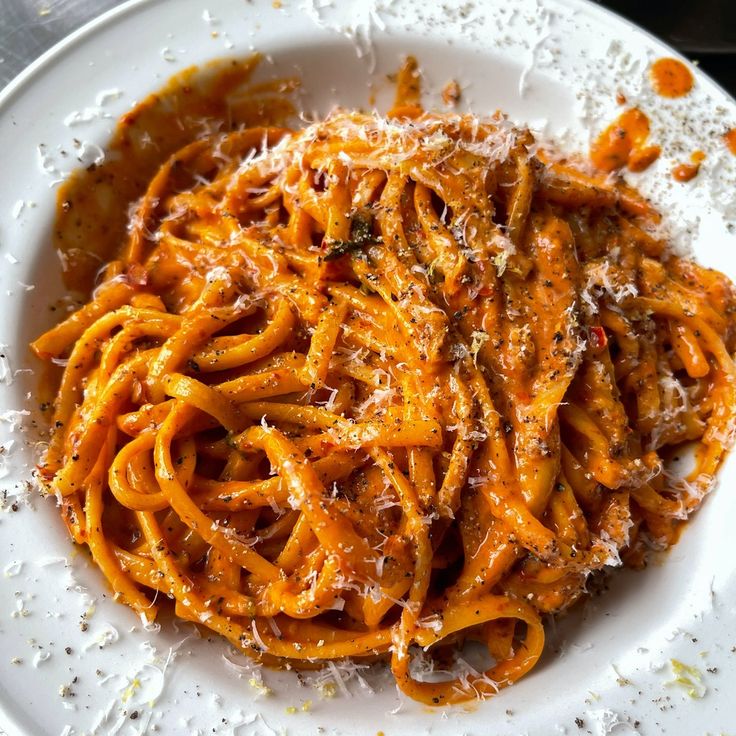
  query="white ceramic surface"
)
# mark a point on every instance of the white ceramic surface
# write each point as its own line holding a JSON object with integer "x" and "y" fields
{"x": 556, "y": 64}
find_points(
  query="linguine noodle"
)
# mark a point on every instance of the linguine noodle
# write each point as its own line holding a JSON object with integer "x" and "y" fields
{"x": 386, "y": 383}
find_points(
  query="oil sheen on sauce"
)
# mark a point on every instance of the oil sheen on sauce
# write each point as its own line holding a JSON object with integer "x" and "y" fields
{"x": 92, "y": 204}
{"x": 671, "y": 78}
{"x": 686, "y": 172}
{"x": 624, "y": 143}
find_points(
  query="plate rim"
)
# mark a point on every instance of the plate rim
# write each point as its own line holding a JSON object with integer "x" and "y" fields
{"x": 38, "y": 65}
{"x": 25, "y": 79}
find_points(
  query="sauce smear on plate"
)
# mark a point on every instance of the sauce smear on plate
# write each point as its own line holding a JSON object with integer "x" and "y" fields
{"x": 623, "y": 143}
{"x": 92, "y": 204}
{"x": 686, "y": 172}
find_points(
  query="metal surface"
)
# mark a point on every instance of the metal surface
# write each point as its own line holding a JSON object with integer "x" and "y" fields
{"x": 30, "y": 27}
{"x": 705, "y": 30}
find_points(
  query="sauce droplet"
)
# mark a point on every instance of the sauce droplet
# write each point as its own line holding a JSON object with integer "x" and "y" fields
{"x": 671, "y": 78}
{"x": 623, "y": 143}
{"x": 730, "y": 138}
{"x": 686, "y": 172}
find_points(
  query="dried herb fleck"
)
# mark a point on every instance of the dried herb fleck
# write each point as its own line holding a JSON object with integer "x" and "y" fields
{"x": 361, "y": 234}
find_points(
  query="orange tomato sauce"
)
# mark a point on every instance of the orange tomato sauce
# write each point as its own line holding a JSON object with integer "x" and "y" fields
{"x": 92, "y": 204}
{"x": 671, "y": 78}
{"x": 196, "y": 452}
{"x": 730, "y": 138}
{"x": 686, "y": 172}
{"x": 624, "y": 143}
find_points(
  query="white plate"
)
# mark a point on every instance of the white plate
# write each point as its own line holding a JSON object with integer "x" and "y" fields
{"x": 554, "y": 63}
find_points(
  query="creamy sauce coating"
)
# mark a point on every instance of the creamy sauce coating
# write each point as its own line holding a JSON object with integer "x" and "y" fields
{"x": 92, "y": 204}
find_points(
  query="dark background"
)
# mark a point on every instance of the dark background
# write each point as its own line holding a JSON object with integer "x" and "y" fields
{"x": 703, "y": 30}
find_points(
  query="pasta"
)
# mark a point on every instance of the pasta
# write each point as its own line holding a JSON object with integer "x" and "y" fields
{"x": 383, "y": 385}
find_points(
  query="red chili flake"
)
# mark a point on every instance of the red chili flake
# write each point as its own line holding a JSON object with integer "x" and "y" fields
{"x": 598, "y": 337}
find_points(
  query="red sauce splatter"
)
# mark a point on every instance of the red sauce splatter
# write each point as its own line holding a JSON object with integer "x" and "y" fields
{"x": 686, "y": 172}
{"x": 730, "y": 138}
{"x": 671, "y": 78}
{"x": 623, "y": 143}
